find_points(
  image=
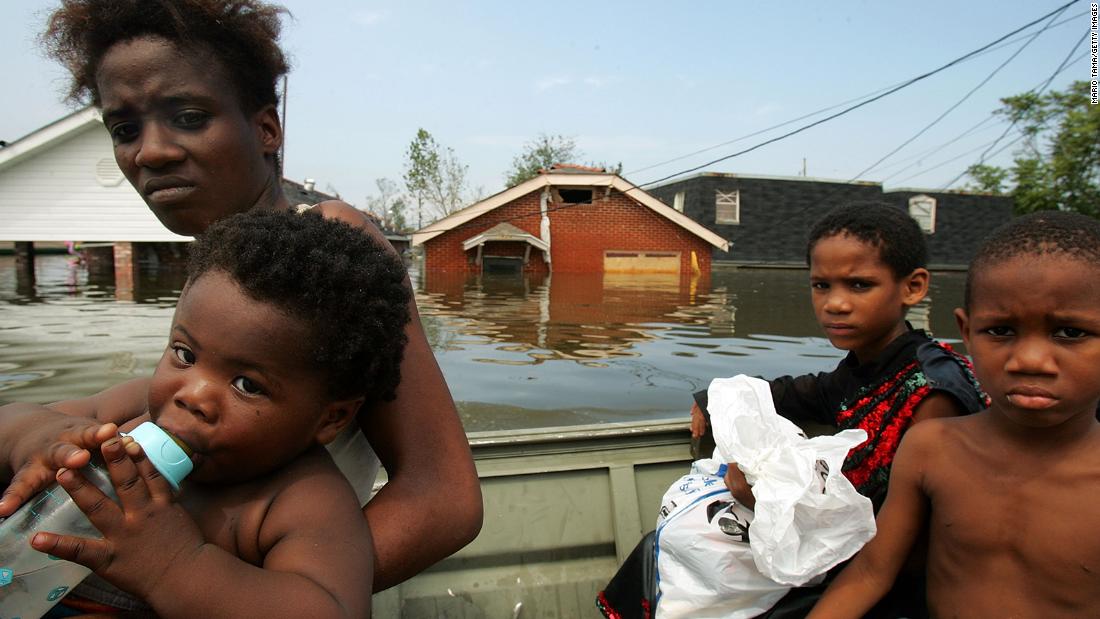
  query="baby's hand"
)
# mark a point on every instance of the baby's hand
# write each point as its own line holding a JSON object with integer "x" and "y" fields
{"x": 61, "y": 441}
{"x": 145, "y": 534}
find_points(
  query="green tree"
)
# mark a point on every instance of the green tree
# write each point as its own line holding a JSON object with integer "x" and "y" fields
{"x": 538, "y": 154}
{"x": 543, "y": 152}
{"x": 987, "y": 179}
{"x": 1058, "y": 168}
{"x": 434, "y": 177}
{"x": 421, "y": 170}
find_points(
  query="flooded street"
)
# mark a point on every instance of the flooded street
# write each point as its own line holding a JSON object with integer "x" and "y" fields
{"x": 516, "y": 351}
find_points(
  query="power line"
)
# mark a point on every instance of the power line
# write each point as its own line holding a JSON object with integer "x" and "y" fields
{"x": 957, "y": 138}
{"x": 1050, "y": 79}
{"x": 1006, "y": 43}
{"x": 956, "y": 158}
{"x": 977, "y": 128}
{"x": 962, "y": 100}
{"x": 891, "y": 91}
{"x": 984, "y": 49}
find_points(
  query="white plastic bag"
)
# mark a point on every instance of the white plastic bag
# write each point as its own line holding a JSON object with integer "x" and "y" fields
{"x": 808, "y": 517}
{"x": 705, "y": 567}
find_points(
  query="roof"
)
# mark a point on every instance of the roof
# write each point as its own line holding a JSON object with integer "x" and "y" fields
{"x": 297, "y": 193}
{"x": 806, "y": 179}
{"x": 52, "y": 133}
{"x": 85, "y": 118}
{"x": 504, "y": 232}
{"x": 570, "y": 179}
{"x": 572, "y": 168}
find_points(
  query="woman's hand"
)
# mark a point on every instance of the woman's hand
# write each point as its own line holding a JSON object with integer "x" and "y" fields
{"x": 739, "y": 486}
{"x": 145, "y": 534}
{"x": 48, "y": 440}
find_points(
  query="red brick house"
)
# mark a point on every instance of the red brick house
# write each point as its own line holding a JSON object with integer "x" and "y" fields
{"x": 569, "y": 219}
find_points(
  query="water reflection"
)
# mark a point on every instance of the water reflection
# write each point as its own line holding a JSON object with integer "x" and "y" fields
{"x": 578, "y": 348}
{"x": 516, "y": 351}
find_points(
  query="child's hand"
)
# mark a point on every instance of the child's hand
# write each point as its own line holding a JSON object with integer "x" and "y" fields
{"x": 698, "y": 422}
{"x": 739, "y": 486}
{"x": 58, "y": 441}
{"x": 145, "y": 534}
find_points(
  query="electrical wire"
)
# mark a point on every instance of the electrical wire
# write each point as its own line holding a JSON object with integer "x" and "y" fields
{"x": 1006, "y": 43}
{"x": 1062, "y": 67}
{"x": 881, "y": 94}
{"x": 962, "y": 100}
{"x": 891, "y": 91}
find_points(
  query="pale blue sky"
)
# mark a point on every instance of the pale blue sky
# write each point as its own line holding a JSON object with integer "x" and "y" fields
{"x": 637, "y": 82}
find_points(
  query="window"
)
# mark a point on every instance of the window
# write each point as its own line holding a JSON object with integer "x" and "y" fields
{"x": 923, "y": 209}
{"x": 678, "y": 201}
{"x": 727, "y": 207}
{"x": 575, "y": 195}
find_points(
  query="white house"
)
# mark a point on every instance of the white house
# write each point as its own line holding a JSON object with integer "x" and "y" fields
{"x": 61, "y": 183}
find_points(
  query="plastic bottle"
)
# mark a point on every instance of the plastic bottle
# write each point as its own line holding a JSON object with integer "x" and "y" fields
{"x": 32, "y": 582}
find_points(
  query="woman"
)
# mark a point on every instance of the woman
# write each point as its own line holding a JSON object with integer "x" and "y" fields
{"x": 187, "y": 90}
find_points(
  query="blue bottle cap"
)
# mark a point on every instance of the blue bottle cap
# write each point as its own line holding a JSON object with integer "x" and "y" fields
{"x": 163, "y": 451}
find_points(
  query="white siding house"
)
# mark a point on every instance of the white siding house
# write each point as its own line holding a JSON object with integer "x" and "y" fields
{"x": 61, "y": 183}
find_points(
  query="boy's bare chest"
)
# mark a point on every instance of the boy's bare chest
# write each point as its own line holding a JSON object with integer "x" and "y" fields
{"x": 1042, "y": 522}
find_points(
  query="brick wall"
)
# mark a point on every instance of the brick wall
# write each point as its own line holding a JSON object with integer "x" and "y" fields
{"x": 580, "y": 234}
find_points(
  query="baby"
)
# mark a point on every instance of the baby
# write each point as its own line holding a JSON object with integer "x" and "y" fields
{"x": 288, "y": 325}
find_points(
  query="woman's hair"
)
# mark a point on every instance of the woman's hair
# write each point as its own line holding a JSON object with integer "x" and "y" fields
{"x": 343, "y": 285}
{"x": 895, "y": 234}
{"x": 242, "y": 34}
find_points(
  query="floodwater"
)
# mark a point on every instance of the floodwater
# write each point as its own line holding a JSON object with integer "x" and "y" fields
{"x": 516, "y": 351}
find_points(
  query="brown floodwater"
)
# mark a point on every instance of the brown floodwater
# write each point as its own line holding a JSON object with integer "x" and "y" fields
{"x": 516, "y": 351}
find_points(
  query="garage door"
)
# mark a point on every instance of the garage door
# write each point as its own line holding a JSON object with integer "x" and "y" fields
{"x": 641, "y": 262}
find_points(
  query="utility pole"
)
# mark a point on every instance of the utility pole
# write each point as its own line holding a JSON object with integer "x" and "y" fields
{"x": 282, "y": 148}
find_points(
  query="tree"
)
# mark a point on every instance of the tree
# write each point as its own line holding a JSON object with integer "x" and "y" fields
{"x": 538, "y": 154}
{"x": 1058, "y": 167}
{"x": 434, "y": 177}
{"x": 388, "y": 205}
{"x": 448, "y": 194}
{"x": 987, "y": 179}
{"x": 543, "y": 152}
{"x": 421, "y": 170}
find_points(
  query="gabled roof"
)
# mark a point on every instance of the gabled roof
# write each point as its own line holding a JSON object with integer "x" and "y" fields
{"x": 570, "y": 179}
{"x": 504, "y": 232}
{"x": 52, "y": 133}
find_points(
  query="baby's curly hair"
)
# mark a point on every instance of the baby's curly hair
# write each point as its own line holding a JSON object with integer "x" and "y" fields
{"x": 242, "y": 34}
{"x": 348, "y": 290}
{"x": 897, "y": 236}
{"x": 1046, "y": 233}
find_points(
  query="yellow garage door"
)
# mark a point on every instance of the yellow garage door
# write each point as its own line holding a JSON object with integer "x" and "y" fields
{"x": 641, "y": 262}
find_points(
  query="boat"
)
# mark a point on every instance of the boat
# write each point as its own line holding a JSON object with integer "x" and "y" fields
{"x": 563, "y": 508}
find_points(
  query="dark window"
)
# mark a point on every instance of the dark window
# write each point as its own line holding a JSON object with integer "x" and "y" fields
{"x": 576, "y": 196}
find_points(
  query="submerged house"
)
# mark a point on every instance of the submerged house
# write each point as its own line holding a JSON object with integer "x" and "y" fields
{"x": 767, "y": 218}
{"x": 569, "y": 219}
{"x": 61, "y": 183}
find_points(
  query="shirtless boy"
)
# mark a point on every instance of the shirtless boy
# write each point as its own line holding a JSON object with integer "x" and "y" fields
{"x": 287, "y": 326}
{"x": 1010, "y": 495}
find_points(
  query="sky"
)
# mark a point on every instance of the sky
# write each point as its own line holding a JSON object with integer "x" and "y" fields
{"x": 645, "y": 84}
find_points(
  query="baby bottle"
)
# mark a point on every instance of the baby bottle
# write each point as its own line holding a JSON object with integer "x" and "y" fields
{"x": 32, "y": 582}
